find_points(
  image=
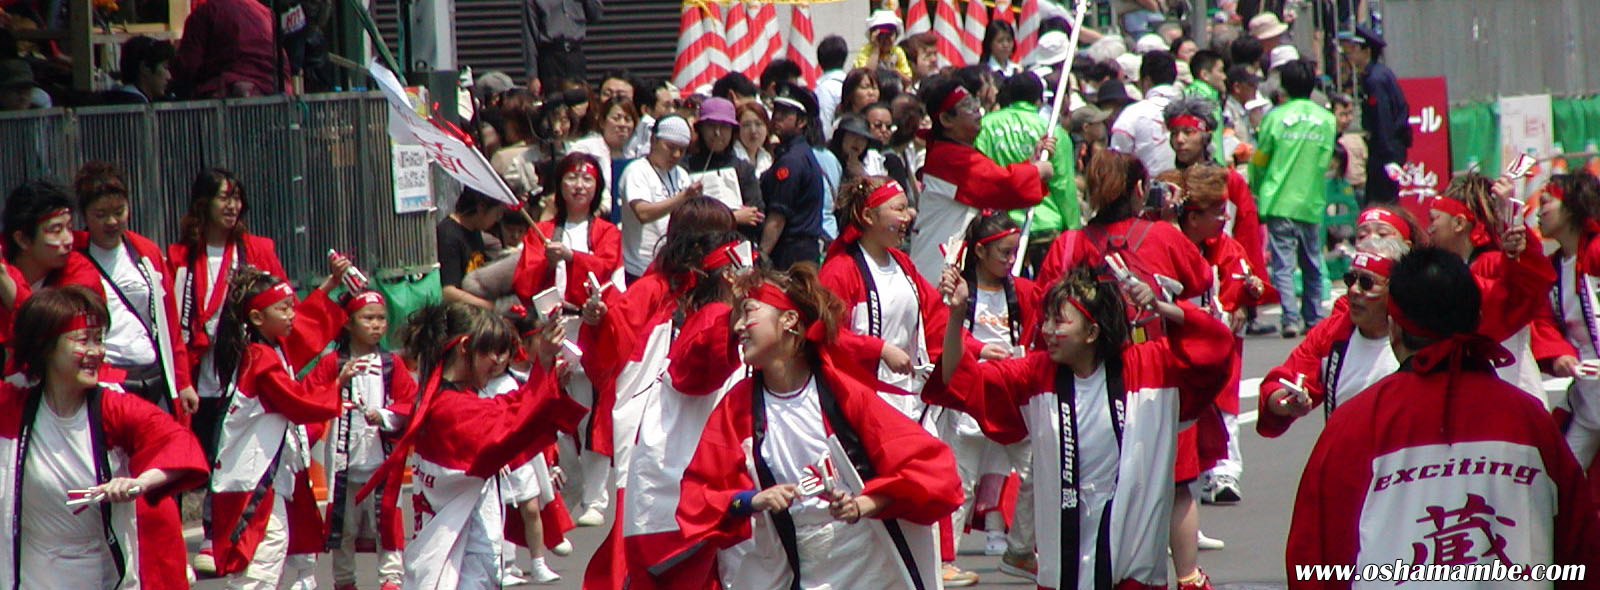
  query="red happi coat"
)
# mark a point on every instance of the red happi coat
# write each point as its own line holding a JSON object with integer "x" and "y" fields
{"x": 841, "y": 275}
{"x": 457, "y": 444}
{"x": 77, "y": 271}
{"x": 958, "y": 181}
{"x": 149, "y": 256}
{"x": 1156, "y": 252}
{"x": 401, "y": 391}
{"x": 1165, "y": 380}
{"x": 251, "y": 249}
{"x": 1309, "y": 358}
{"x": 1516, "y": 297}
{"x": 1244, "y": 225}
{"x": 915, "y": 471}
{"x": 269, "y": 404}
{"x": 138, "y": 437}
{"x": 1388, "y": 480}
{"x": 535, "y": 273}
{"x": 619, "y": 340}
{"x": 1206, "y": 442}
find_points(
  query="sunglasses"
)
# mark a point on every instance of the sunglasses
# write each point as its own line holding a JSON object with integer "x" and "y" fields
{"x": 1351, "y": 279}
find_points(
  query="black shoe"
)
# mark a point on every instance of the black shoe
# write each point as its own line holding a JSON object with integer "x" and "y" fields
{"x": 1259, "y": 328}
{"x": 1291, "y": 330}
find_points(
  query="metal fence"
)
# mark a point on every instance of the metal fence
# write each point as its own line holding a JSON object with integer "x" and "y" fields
{"x": 316, "y": 170}
{"x": 1489, "y": 48}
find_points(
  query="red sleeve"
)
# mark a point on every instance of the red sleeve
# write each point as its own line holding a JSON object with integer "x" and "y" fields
{"x": 78, "y": 271}
{"x": 1327, "y": 508}
{"x": 529, "y": 421}
{"x": 402, "y": 386}
{"x": 1201, "y": 347}
{"x": 8, "y": 315}
{"x": 260, "y": 252}
{"x": 982, "y": 183}
{"x": 281, "y": 393}
{"x": 1577, "y": 534}
{"x": 1189, "y": 266}
{"x": 995, "y": 391}
{"x": 915, "y": 471}
{"x": 716, "y": 473}
{"x": 317, "y": 322}
{"x": 532, "y": 273}
{"x": 1246, "y": 220}
{"x": 1512, "y": 290}
{"x": 1030, "y": 298}
{"x": 1306, "y": 359}
{"x": 705, "y": 352}
{"x": 1228, "y": 258}
{"x": 1069, "y": 249}
{"x": 153, "y": 440}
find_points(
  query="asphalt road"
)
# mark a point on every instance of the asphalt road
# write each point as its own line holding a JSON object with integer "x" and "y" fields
{"x": 1253, "y": 529}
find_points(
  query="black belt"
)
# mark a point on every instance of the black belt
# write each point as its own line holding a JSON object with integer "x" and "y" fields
{"x": 561, "y": 45}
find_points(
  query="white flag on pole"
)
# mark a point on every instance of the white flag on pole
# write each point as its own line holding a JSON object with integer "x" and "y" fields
{"x": 450, "y": 149}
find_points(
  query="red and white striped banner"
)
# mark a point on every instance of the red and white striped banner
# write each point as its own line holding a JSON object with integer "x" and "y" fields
{"x": 972, "y": 33}
{"x": 803, "y": 43}
{"x": 917, "y": 20}
{"x": 769, "y": 41}
{"x": 702, "y": 52}
{"x": 1028, "y": 31}
{"x": 947, "y": 26}
{"x": 1002, "y": 12}
{"x": 740, "y": 37}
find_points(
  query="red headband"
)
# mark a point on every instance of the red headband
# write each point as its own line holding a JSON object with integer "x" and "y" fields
{"x": 883, "y": 193}
{"x": 771, "y": 295}
{"x": 721, "y": 256}
{"x": 79, "y": 321}
{"x": 1000, "y": 234}
{"x": 950, "y": 100}
{"x": 1386, "y": 216}
{"x": 365, "y": 298}
{"x": 270, "y": 297}
{"x": 1449, "y": 206}
{"x": 582, "y": 165}
{"x": 1187, "y": 120}
{"x": 53, "y": 213}
{"x": 1081, "y": 309}
{"x": 1372, "y": 263}
{"x": 1590, "y": 225}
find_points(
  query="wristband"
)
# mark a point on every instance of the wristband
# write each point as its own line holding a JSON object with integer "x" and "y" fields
{"x": 743, "y": 503}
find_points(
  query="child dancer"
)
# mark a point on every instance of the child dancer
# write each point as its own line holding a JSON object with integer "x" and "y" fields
{"x": 357, "y": 441}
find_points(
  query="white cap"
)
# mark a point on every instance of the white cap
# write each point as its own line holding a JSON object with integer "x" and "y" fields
{"x": 1150, "y": 42}
{"x": 882, "y": 18}
{"x": 1129, "y": 64}
{"x": 1107, "y": 48}
{"x": 1052, "y": 49}
{"x": 1282, "y": 54}
{"x": 673, "y": 129}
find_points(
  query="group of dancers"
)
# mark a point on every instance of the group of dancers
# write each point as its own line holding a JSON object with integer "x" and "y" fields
{"x": 809, "y": 427}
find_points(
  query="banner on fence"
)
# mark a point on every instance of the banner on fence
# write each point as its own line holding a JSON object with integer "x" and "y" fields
{"x": 1525, "y": 128}
{"x": 1430, "y": 129}
{"x": 445, "y": 144}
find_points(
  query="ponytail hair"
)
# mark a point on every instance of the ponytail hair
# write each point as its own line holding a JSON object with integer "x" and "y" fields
{"x": 850, "y": 202}
{"x": 431, "y": 332}
{"x": 234, "y": 330}
{"x": 814, "y": 302}
{"x": 1101, "y": 298}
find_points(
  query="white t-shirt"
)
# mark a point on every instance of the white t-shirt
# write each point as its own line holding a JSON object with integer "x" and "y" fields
{"x": 1366, "y": 360}
{"x": 796, "y": 438}
{"x": 1098, "y": 457}
{"x": 992, "y": 319}
{"x": 641, "y": 181}
{"x": 900, "y": 325}
{"x": 128, "y": 341}
{"x": 576, "y": 236}
{"x": 206, "y": 383}
{"x": 61, "y": 549}
{"x": 366, "y": 449}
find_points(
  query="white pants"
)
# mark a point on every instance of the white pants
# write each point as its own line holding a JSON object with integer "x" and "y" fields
{"x": 301, "y": 570}
{"x": 266, "y": 566}
{"x": 1021, "y": 538}
{"x": 1583, "y": 433}
{"x": 839, "y": 556}
{"x": 1233, "y": 464}
{"x": 588, "y": 477}
{"x": 480, "y": 562}
{"x": 358, "y": 520}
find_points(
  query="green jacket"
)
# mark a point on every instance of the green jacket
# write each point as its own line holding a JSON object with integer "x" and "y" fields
{"x": 1289, "y": 170}
{"x": 1008, "y": 136}
{"x": 1203, "y": 90}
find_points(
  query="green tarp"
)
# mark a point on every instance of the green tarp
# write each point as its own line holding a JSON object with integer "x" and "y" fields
{"x": 1475, "y": 130}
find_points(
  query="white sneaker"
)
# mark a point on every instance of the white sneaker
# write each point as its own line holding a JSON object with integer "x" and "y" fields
{"x": 564, "y": 549}
{"x": 590, "y": 517}
{"x": 1226, "y": 490}
{"x": 509, "y": 579}
{"x": 995, "y": 543}
{"x": 1208, "y": 543}
{"x": 542, "y": 574}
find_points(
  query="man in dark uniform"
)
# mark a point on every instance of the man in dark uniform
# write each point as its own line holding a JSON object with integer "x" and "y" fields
{"x": 792, "y": 187}
{"x": 1383, "y": 111}
{"x": 553, "y": 32}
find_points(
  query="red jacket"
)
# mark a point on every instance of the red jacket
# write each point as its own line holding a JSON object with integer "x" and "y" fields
{"x": 254, "y": 250}
{"x": 535, "y": 273}
{"x": 148, "y": 250}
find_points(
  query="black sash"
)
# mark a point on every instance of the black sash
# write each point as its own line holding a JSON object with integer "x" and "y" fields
{"x": 1066, "y": 417}
{"x": 102, "y": 475}
{"x": 341, "y": 478}
{"x": 137, "y": 381}
{"x": 874, "y": 307}
{"x": 1585, "y": 304}
{"x": 1331, "y": 368}
{"x": 854, "y": 449}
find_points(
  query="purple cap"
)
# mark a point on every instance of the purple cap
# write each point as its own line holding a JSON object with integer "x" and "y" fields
{"x": 719, "y": 110}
